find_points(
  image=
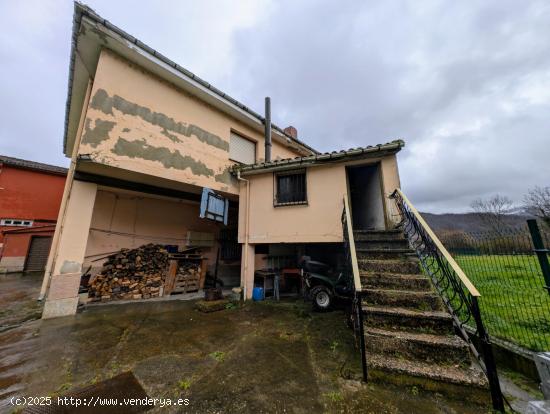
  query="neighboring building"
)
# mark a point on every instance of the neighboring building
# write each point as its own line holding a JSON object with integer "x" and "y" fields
{"x": 30, "y": 195}
{"x": 146, "y": 136}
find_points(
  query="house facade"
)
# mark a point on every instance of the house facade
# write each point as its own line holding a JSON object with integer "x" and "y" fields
{"x": 30, "y": 195}
{"x": 146, "y": 137}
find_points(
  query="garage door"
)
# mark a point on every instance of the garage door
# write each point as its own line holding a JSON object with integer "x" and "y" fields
{"x": 38, "y": 253}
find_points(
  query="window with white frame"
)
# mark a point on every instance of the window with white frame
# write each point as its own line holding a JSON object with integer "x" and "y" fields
{"x": 241, "y": 149}
{"x": 16, "y": 222}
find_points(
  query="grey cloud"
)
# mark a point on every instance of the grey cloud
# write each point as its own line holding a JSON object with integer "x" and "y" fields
{"x": 424, "y": 71}
{"x": 464, "y": 83}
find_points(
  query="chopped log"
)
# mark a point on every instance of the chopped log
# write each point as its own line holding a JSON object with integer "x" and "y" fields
{"x": 131, "y": 274}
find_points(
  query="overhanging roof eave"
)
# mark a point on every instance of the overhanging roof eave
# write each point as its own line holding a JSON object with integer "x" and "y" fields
{"x": 82, "y": 11}
{"x": 350, "y": 155}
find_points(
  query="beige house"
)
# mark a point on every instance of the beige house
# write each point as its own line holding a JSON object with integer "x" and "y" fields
{"x": 146, "y": 136}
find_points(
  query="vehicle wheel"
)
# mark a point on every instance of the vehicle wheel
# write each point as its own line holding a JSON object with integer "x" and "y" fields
{"x": 322, "y": 298}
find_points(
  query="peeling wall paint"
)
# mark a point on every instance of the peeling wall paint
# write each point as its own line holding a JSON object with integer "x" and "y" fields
{"x": 140, "y": 149}
{"x": 105, "y": 103}
{"x": 170, "y": 136}
{"x": 100, "y": 132}
{"x": 225, "y": 177}
{"x": 140, "y": 123}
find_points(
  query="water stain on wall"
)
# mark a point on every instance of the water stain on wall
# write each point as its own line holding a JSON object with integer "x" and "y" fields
{"x": 225, "y": 177}
{"x": 105, "y": 103}
{"x": 140, "y": 149}
{"x": 69, "y": 266}
{"x": 100, "y": 132}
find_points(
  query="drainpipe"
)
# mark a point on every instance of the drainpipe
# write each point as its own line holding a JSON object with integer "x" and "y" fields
{"x": 267, "y": 129}
{"x": 247, "y": 203}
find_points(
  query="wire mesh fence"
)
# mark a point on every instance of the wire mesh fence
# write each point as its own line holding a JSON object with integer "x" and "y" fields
{"x": 504, "y": 267}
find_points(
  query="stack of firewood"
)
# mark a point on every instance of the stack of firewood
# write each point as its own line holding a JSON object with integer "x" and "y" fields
{"x": 131, "y": 274}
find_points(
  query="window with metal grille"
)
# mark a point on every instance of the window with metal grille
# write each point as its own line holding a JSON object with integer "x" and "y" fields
{"x": 290, "y": 188}
{"x": 241, "y": 149}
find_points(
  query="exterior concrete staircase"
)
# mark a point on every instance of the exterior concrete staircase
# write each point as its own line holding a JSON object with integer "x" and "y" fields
{"x": 409, "y": 337}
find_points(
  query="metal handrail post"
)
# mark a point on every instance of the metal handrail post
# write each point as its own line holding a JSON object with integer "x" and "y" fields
{"x": 540, "y": 251}
{"x": 488, "y": 358}
{"x": 351, "y": 256}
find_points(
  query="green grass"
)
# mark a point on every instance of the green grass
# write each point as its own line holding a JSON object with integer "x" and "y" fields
{"x": 514, "y": 305}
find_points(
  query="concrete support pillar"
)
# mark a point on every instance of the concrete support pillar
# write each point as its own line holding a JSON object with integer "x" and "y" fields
{"x": 247, "y": 269}
{"x": 62, "y": 297}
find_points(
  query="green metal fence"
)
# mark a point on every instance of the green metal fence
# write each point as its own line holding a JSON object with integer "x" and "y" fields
{"x": 506, "y": 269}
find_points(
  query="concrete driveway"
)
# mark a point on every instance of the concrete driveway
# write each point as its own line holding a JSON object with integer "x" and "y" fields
{"x": 261, "y": 358}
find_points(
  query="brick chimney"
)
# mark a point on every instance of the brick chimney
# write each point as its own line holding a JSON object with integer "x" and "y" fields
{"x": 293, "y": 132}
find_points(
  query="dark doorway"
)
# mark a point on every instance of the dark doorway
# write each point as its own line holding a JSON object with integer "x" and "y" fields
{"x": 367, "y": 206}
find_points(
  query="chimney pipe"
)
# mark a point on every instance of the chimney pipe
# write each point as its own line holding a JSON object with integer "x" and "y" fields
{"x": 267, "y": 129}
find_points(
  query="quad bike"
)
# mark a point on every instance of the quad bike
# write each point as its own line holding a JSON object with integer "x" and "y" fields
{"x": 323, "y": 286}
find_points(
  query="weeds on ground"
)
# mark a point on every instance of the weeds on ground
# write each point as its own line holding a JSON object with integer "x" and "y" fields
{"x": 334, "y": 396}
{"x": 218, "y": 355}
{"x": 67, "y": 368}
{"x": 184, "y": 384}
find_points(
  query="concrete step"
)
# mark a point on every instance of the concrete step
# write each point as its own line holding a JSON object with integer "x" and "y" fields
{"x": 370, "y": 253}
{"x": 446, "y": 349}
{"x": 403, "y": 299}
{"x": 410, "y": 265}
{"x": 381, "y": 280}
{"x": 453, "y": 381}
{"x": 382, "y": 244}
{"x": 360, "y": 235}
{"x": 401, "y": 319}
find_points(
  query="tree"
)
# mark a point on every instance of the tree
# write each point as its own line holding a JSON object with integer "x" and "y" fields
{"x": 537, "y": 203}
{"x": 492, "y": 211}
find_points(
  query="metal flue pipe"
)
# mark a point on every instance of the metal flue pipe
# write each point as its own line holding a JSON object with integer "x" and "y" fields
{"x": 267, "y": 123}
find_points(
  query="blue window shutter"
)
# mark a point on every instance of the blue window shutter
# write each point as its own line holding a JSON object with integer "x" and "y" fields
{"x": 204, "y": 200}
{"x": 213, "y": 206}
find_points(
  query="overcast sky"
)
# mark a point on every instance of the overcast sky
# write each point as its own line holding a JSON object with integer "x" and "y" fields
{"x": 466, "y": 84}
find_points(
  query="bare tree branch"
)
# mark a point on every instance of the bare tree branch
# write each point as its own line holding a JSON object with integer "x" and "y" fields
{"x": 492, "y": 211}
{"x": 537, "y": 203}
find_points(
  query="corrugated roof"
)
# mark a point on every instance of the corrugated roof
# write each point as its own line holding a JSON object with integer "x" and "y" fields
{"x": 81, "y": 9}
{"x": 325, "y": 158}
{"x": 32, "y": 165}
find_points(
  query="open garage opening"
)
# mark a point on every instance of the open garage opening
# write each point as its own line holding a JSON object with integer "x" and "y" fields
{"x": 290, "y": 264}
{"x": 143, "y": 246}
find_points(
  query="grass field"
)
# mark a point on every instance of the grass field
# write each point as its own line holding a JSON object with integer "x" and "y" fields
{"x": 514, "y": 304}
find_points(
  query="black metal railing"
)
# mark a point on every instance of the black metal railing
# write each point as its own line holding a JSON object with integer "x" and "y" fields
{"x": 457, "y": 292}
{"x": 351, "y": 268}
